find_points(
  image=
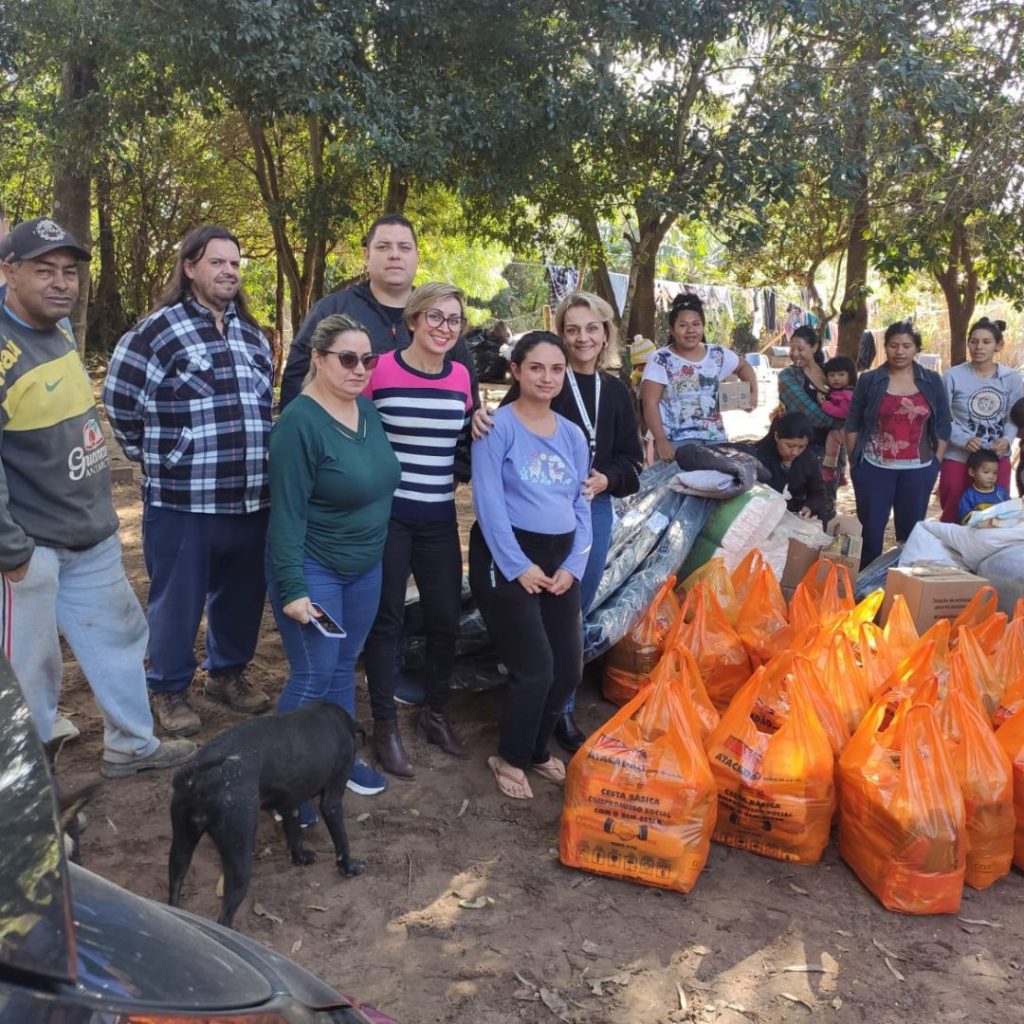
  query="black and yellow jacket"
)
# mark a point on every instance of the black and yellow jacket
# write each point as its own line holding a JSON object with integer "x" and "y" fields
{"x": 54, "y": 462}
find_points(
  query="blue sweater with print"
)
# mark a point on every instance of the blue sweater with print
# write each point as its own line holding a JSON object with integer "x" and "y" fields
{"x": 526, "y": 481}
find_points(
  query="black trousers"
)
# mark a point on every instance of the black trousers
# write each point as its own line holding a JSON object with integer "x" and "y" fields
{"x": 539, "y": 637}
{"x": 433, "y": 554}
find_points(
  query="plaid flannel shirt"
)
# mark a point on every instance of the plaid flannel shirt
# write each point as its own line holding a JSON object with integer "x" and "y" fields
{"x": 193, "y": 406}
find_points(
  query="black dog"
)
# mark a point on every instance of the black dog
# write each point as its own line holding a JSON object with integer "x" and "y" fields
{"x": 276, "y": 763}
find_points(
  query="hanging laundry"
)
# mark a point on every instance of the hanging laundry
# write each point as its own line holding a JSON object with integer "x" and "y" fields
{"x": 561, "y": 281}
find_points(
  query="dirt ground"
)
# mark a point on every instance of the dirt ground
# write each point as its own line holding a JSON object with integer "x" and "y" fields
{"x": 556, "y": 944}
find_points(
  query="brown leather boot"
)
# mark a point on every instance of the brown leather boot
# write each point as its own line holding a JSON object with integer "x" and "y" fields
{"x": 435, "y": 728}
{"x": 387, "y": 743}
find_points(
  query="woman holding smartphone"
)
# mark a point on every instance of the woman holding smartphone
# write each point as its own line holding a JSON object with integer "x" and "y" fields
{"x": 332, "y": 478}
{"x": 527, "y": 553}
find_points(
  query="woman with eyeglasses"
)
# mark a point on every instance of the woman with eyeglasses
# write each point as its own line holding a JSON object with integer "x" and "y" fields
{"x": 424, "y": 399}
{"x": 332, "y": 478}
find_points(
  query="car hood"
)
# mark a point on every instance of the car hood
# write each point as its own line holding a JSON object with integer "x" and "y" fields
{"x": 135, "y": 950}
{"x": 35, "y": 906}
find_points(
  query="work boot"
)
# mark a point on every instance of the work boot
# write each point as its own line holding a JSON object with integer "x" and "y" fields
{"x": 435, "y": 728}
{"x": 169, "y": 754}
{"x": 238, "y": 691}
{"x": 569, "y": 735}
{"x": 387, "y": 744}
{"x": 174, "y": 713}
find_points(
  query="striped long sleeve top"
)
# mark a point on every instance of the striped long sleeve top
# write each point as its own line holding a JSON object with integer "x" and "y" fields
{"x": 426, "y": 419}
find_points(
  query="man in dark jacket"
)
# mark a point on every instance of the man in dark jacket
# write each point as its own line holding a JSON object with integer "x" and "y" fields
{"x": 392, "y": 256}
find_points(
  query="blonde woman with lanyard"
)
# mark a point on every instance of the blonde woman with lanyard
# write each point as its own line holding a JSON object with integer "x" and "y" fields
{"x": 601, "y": 406}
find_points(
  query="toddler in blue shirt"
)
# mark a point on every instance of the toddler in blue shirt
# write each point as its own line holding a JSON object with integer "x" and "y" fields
{"x": 983, "y": 470}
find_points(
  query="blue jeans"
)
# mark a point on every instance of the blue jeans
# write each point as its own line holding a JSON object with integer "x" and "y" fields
{"x": 601, "y": 519}
{"x": 198, "y": 561}
{"x": 323, "y": 668}
{"x": 85, "y": 595}
{"x": 879, "y": 491}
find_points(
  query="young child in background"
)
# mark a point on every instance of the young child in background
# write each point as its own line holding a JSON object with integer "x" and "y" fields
{"x": 1017, "y": 419}
{"x": 982, "y": 470}
{"x": 841, "y": 375}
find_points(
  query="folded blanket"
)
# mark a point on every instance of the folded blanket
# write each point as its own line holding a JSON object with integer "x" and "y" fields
{"x": 743, "y": 467}
{"x": 705, "y": 483}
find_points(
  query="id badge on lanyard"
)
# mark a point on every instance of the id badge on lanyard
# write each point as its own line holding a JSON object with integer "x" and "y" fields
{"x": 589, "y": 428}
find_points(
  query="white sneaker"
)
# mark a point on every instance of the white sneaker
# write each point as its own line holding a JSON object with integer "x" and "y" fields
{"x": 65, "y": 729}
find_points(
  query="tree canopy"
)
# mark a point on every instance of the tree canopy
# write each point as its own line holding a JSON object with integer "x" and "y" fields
{"x": 868, "y": 139}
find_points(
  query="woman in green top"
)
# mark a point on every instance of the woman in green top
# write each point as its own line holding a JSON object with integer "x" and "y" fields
{"x": 332, "y": 477}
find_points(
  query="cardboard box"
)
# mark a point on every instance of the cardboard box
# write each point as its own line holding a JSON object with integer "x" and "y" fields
{"x": 845, "y": 550}
{"x": 932, "y": 592}
{"x": 733, "y": 394}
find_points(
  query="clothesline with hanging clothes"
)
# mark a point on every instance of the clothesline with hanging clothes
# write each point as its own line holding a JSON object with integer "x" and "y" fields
{"x": 762, "y": 303}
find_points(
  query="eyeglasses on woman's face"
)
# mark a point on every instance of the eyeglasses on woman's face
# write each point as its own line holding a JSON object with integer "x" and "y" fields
{"x": 350, "y": 360}
{"x": 436, "y": 318}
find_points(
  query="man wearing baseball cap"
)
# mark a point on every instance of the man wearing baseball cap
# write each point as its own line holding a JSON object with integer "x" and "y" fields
{"x": 60, "y": 555}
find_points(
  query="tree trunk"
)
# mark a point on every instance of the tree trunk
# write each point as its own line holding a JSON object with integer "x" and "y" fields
{"x": 270, "y": 191}
{"x": 599, "y": 266}
{"x": 959, "y": 283}
{"x": 853, "y": 311}
{"x": 398, "y": 191}
{"x": 71, "y": 176}
{"x": 640, "y": 314}
{"x": 107, "y": 318}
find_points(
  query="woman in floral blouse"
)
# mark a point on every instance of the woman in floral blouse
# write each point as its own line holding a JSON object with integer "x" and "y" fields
{"x": 896, "y": 434}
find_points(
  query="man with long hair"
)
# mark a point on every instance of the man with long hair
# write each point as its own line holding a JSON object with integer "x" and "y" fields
{"x": 189, "y": 394}
{"x": 60, "y": 554}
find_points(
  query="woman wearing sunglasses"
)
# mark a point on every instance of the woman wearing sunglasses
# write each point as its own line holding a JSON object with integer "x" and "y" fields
{"x": 332, "y": 478}
{"x": 424, "y": 399}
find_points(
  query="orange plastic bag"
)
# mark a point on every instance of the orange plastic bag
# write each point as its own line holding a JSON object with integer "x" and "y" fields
{"x": 876, "y": 661}
{"x": 703, "y": 629}
{"x": 680, "y": 668}
{"x": 843, "y": 680}
{"x": 1008, "y": 661}
{"x": 744, "y": 575}
{"x": 825, "y": 707}
{"x": 824, "y": 593}
{"x": 900, "y": 632}
{"x": 1018, "y": 609}
{"x": 990, "y": 632}
{"x": 640, "y": 801}
{"x": 1011, "y": 738}
{"x": 910, "y": 670}
{"x": 1010, "y": 704}
{"x": 986, "y": 783}
{"x": 775, "y": 771}
{"x": 969, "y": 662}
{"x": 984, "y": 603}
{"x": 902, "y": 818}
{"x": 631, "y": 661}
{"x": 714, "y": 576}
{"x": 763, "y": 619}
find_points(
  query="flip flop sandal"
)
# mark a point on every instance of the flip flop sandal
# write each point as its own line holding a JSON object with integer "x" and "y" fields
{"x": 552, "y": 769}
{"x": 511, "y": 781}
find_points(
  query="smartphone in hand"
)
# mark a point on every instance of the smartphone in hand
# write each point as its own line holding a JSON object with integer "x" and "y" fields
{"x": 326, "y": 624}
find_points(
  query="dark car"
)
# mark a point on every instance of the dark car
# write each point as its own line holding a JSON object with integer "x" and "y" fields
{"x": 75, "y": 948}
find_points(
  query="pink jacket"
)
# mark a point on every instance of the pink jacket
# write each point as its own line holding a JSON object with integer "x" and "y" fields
{"x": 838, "y": 403}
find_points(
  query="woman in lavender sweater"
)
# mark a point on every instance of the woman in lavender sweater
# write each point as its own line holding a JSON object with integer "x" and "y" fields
{"x": 527, "y": 552}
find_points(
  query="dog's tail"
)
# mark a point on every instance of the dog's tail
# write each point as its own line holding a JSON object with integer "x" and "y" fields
{"x": 187, "y": 775}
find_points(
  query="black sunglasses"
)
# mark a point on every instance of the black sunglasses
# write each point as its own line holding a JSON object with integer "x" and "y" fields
{"x": 350, "y": 360}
